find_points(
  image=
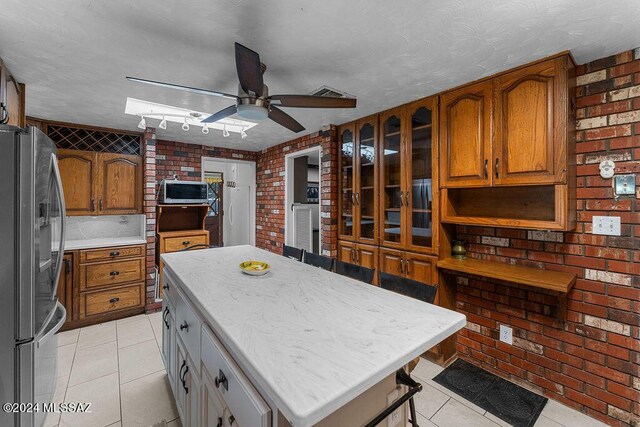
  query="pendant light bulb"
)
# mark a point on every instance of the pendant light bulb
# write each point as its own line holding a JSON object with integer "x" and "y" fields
{"x": 163, "y": 123}
{"x": 142, "y": 124}
{"x": 205, "y": 129}
{"x": 185, "y": 126}
{"x": 225, "y": 132}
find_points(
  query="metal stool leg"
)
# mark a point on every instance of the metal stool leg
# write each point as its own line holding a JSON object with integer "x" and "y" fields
{"x": 412, "y": 411}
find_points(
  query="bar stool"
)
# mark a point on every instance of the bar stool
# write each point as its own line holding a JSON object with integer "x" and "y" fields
{"x": 354, "y": 271}
{"x": 316, "y": 260}
{"x": 293, "y": 253}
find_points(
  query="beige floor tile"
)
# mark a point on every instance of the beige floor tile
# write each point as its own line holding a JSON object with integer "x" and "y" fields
{"x": 455, "y": 414}
{"x": 426, "y": 370}
{"x": 568, "y": 416}
{"x": 429, "y": 401}
{"x": 134, "y": 331}
{"x": 139, "y": 360}
{"x": 147, "y": 401}
{"x": 422, "y": 422}
{"x": 66, "y": 354}
{"x": 131, "y": 319}
{"x": 94, "y": 362}
{"x": 97, "y": 334}
{"x": 68, "y": 337}
{"x": 104, "y": 395}
{"x": 455, "y": 396}
{"x": 118, "y": 424}
{"x": 543, "y": 421}
{"x": 53, "y": 418}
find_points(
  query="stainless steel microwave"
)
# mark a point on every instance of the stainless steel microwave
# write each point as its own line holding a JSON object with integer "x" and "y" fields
{"x": 183, "y": 192}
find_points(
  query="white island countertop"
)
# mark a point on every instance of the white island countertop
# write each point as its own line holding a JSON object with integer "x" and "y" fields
{"x": 311, "y": 339}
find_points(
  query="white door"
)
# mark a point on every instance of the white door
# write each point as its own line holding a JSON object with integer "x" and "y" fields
{"x": 238, "y": 216}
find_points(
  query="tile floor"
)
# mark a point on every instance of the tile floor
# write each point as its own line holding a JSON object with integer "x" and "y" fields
{"x": 118, "y": 368}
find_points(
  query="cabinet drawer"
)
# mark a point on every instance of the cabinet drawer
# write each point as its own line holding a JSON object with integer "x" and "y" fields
{"x": 174, "y": 244}
{"x": 106, "y": 254}
{"x": 188, "y": 326}
{"x": 111, "y": 273}
{"x": 244, "y": 402}
{"x": 100, "y": 302}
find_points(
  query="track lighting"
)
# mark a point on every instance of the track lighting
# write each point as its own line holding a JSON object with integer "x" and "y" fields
{"x": 243, "y": 134}
{"x": 163, "y": 124}
{"x": 205, "y": 129}
{"x": 225, "y": 132}
{"x": 142, "y": 124}
{"x": 185, "y": 126}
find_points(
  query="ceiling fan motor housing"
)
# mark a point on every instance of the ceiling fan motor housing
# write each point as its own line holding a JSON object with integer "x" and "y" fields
{"x": 252, "y": 108}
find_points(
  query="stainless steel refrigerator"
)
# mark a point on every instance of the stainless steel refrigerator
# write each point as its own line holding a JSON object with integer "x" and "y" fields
{"x": 32, "y": 217}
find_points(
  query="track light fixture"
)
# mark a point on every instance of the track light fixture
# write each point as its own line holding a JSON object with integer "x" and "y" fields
{"x": 205, "y": 129}
{"x": 225, "y": 132}
{"x": 243, "y": 134}
{"x": 185, "y": 126}
{"x": 142, "y": 124}
{"x": 163, "y": 123}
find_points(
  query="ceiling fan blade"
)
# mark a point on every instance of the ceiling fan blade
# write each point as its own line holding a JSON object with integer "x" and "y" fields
{"x": 180, "y": 87}
{"x": 280, "y": 117}
{"x": 249, "y": 70}
{"x": 230, "y": 110}
{"x": 313, "y": 101}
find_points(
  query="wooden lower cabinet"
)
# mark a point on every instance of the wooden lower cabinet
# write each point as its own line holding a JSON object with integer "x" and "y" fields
{"x": 97, "y": 285}
{"x": 359, "y": 254}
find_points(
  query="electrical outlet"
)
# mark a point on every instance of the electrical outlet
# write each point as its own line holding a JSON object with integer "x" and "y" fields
{"x": 607, "y": 225}
{"x": 396, "y": 416}
{"x": 506, "y": 334}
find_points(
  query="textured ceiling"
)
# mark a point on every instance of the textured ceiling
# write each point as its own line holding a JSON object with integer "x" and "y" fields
{"x": 74, "y": 54}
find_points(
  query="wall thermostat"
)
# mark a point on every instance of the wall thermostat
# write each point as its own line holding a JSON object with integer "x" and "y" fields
{"x": 624, "y": 185}
{"x": 606, "y": 168}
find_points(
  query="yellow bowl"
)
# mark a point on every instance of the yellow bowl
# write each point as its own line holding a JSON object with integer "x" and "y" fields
{"x": 254, "y": 268}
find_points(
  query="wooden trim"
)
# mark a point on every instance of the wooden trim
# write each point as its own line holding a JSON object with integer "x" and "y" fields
{"x": 558, "y": 281}
{"x": 46, "y": 123}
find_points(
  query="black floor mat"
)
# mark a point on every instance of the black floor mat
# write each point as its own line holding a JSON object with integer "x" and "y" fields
{"x": 506, "y": 400}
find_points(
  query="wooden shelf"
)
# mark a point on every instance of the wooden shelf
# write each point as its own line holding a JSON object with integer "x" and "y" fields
{"x": 421, "y": 127}
{"x": 553, "y": 280}
{"x": 367, "y": 164}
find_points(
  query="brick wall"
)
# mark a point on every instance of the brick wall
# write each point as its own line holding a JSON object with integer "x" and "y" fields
{"x": 270, "y": 194}
{"x": 149, "y": 205}
{"x": 591, "y": 362}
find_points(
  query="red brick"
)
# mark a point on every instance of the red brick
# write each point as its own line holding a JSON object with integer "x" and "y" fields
{"x": 610, "y": 398}
{"x": 586, "y": 400}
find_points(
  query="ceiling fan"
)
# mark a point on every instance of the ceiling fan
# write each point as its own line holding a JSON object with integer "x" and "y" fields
{"x": 253, "y": 101}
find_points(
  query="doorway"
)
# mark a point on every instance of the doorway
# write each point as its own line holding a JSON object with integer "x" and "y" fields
{"x": 214, "y": 221}
{"x": 235, "y": 184}
{"x": 303, "y": 198}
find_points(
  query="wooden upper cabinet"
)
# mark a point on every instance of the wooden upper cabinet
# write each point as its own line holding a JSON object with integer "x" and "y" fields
{"x": 78, "y": 172}
{"x": 100, "y": 183}
{"x": 530, "y": 125}
{"x": 465, "y": 146}
{"x": 366, "y": 196}
{"x": 120, "y": 184}
{"x": 346, "y": 201}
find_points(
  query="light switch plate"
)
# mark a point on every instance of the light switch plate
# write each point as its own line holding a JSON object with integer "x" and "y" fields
{"x": 606, "y": 225}
{"x": 624, "y": 185}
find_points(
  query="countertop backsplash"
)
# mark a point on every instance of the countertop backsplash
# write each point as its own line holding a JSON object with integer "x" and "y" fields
{"x": 104, "y": 226}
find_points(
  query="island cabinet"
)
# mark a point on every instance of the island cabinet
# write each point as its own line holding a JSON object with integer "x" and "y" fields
{"x": 358, "y": 177}
{"x": 408, "y": 198}
{"x": 507, "y": 154}
{"x": 101, "y": 183}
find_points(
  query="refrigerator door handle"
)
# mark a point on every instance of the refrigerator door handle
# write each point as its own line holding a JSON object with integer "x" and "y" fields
{"x": 44, "y": 338}
{"x": 63, "y": 211}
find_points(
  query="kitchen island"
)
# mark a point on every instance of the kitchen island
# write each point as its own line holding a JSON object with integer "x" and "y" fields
{"x": 298, "y": 346}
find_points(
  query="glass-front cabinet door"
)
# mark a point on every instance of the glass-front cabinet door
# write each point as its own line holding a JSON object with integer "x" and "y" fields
{"x": 392, "y": 196}
{"x": 420, "y": 145}
{"x": 366, "y": 197}
{"x": 346, "y": 229}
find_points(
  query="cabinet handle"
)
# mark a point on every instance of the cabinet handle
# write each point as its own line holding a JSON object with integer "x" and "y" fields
{"x": 114, "y": 253}
{"x": 186, "y": 242}
{"x": 401, "y": 266}
{"x": 486, "y": 168}
{"x": 358, "y": 199}
{"x": 497, "y": 168}
{"x": 221, "y": 379}
{"x": 67, "y": 266}
{"x": 100, "y": 203}
{"x": 353, "y": 198}
{"x": 358, "y": 256}
{"x": 183, "y": 376}
{"x": 353, "y": 255}
{"x": 164, "y": 317}
{"x": 114, "y": 300}
{"x": 184, "y": 325}
{"x": 114, "y": 273}
{"x": 165, "y": 287}
{"x": 219, "y": 422}
{"x": 407, "y": 269}
{"x": 93, "y": 204}
{"x": 406, "y": 198}
{"x": 401, "y": 198}
{"x": 231, "y": 420}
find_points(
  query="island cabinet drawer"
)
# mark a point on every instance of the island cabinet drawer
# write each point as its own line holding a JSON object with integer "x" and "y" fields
{"x": 242, "y": 399}
{"x": 188, "y": 326}
{"x": 114, "y": 253}
{"x": 100, "y": 302}
{"x": 174, "y": 244}
{"x": 111, "y": 273}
